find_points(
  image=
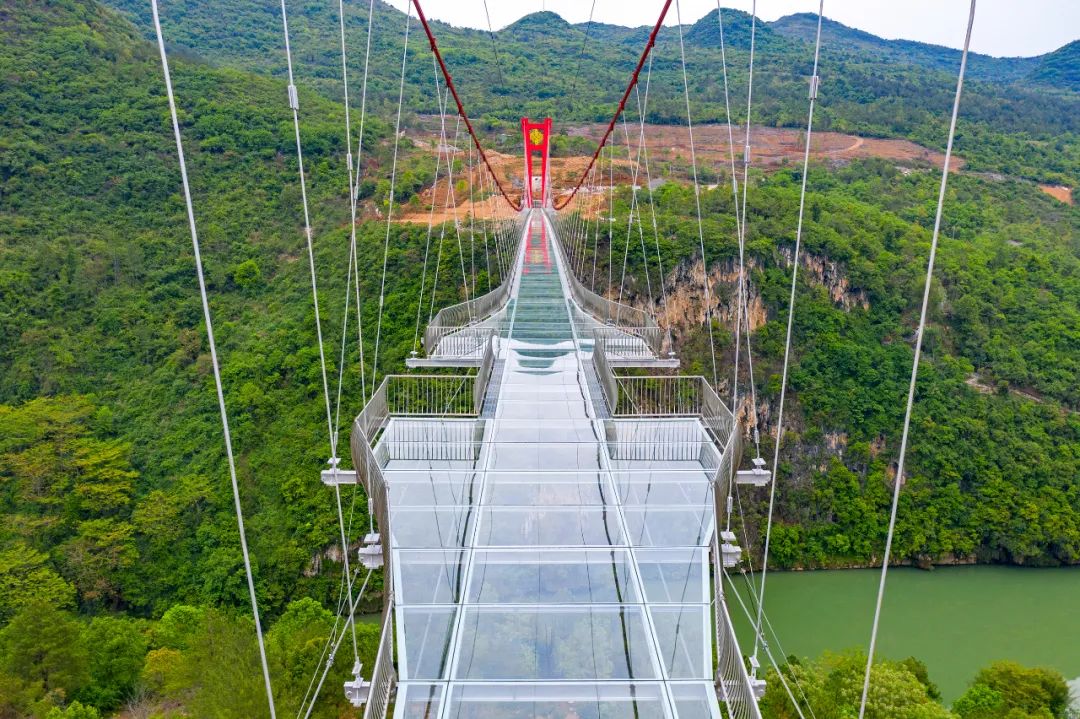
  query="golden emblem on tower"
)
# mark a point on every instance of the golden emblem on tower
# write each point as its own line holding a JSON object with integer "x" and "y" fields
{"x": 536, "y": 136}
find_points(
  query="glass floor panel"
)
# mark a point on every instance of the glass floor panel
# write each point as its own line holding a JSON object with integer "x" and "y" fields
{"x": 609, "y": 700}
{"x": 553, "y": 576}
{"x": 596, "y": 642}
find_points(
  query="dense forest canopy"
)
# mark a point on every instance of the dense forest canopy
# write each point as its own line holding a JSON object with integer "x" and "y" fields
{"x": 119, "y": 556}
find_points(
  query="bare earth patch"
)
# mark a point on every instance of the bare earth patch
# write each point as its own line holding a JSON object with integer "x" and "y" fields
{"x": 1058, "y": 192}
{"x": 668, "y": 148}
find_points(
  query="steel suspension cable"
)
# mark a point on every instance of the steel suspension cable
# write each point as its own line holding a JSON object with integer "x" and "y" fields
{"x": 356, "y": 197}
{"x": 227, "y": 435}
{"x": 295, "y": 107}
{"x": 457, "y": 100}
{"x": 390, "y": 202}
{"x": 697, "y": 197}
{"x": 652, "y": 200}
{"x": 581, "y": 54}
{"x": 431, "y": 212}
{"x": 622, "y": 103}
{"x": 446, "y": 206}
{"x": 494, "y": 44}
{"x": 741, "y": 224}
{"x": 790, "y": 323}
{"x": 915, "y": 361}
{"x": 336, "y": 645}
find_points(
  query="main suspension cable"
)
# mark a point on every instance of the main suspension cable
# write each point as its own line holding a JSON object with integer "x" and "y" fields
{"x": 213, "y": 356}
{"x": 915, "y": 361}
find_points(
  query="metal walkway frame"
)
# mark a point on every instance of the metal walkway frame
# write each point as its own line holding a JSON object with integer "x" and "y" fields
{"x": 550, "y": 548}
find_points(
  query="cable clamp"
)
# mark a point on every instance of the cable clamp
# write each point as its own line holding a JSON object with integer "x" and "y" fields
{"x": 348, "y": 160}
{"x": 815, "y": 81}
{"x": 746, "y": 154}
{"x": 294, "y": 99}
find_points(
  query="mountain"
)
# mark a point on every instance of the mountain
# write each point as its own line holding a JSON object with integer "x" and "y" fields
{"x": 547, "y": 67}
{"x": 1060, "y": 68}
{"x": 840, "y": 40}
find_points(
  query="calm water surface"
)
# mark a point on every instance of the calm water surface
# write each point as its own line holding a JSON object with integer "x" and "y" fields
{"x": 955, "y": 619}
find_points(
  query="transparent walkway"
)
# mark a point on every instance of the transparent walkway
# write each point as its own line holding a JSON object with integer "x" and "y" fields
{"x": 549, "y": 563}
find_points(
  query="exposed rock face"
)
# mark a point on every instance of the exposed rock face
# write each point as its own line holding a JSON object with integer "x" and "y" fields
{"x": 685, "y": 305}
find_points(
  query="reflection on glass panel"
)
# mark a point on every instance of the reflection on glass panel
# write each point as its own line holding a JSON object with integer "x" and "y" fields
{"x": 418, "y": 701}
{"x": 535, "y": 489}
{"x": 674, "y": 575}
{"x": 430, "y": 488}
{"x": 695, "y": 701}
{"x": 680, "y": 631}
{"x": 555, "y": 643}
{"x": 558, "y": 701}
{"x": 428, "y": 527}
{"x": 427, "y": 642}
{"x": 427, "y": 577}
{"x": 655, "y": 527}
{"x": 552, "y": 455}
{"x": 659, "y": 488}
{"x": 583, "y": 526}
{"x": 517, "y": 430}
{"x": 552, "y": 577}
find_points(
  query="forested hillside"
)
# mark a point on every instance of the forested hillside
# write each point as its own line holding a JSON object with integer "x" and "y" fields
{"x": 121, "y": 582}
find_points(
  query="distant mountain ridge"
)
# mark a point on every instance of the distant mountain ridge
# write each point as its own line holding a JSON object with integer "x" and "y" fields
{"x": 542, "y": 65}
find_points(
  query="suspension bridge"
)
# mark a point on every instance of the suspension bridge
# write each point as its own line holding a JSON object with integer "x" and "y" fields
{"x": 554, "y": 534}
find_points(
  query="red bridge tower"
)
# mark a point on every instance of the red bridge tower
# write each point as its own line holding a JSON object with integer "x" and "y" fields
{"x": 537, "y": 136}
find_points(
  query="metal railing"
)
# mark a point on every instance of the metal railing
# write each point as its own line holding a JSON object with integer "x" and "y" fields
{"x": 733, "y": 686}
{"x": 383, "y": 675}
{"x": 631, "y": 343}
{"x": 450, "y": 321}
{"x": 607, "y": 311}
{"x": 456, "y": 342}
{"x": 607, "y": 378}
{"x": 675, "y": 397}
{"x": 483, "y": 375}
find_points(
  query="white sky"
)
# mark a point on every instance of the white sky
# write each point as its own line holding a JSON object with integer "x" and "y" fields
{"x": 1002, "y": 27}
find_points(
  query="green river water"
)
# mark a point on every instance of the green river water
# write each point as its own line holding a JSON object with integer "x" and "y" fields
{"x": 955, "y": 619}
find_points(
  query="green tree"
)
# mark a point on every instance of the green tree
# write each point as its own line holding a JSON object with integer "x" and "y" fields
{"x": 116, "y": 648}
{"x": 75, "y": 710}
{"x": 1007, "y": 690}
{"x": 43, "y": 646}
{"x": 25, "y": 576}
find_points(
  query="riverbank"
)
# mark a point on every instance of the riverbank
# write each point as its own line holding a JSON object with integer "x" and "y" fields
{"x": 955, "y": 619}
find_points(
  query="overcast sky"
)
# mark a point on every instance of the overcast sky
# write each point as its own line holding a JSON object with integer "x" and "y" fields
{"x": 1002, "y": 27}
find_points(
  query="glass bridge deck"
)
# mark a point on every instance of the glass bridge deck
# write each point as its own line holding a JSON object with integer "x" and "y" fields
{"x": 549, "y": 563}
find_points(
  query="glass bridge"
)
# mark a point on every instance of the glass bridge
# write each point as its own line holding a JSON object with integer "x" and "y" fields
{"x": 549, "y": 535}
